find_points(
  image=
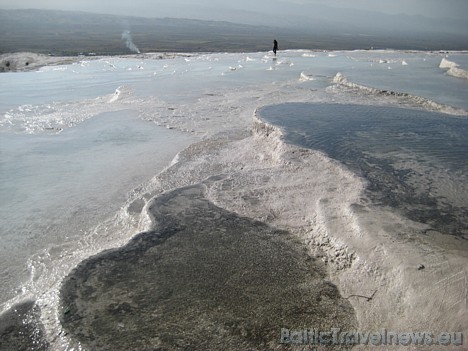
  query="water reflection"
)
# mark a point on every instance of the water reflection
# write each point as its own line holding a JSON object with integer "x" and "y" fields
{"x": 414, "y": 160}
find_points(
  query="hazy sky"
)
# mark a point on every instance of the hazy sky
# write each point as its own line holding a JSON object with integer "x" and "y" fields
{"x": 176, "y": 8}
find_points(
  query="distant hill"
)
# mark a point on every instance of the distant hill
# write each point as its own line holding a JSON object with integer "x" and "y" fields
{"x": 72, "y": 33}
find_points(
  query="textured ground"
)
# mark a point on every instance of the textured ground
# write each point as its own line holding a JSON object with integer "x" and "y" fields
{"x": 204, "y": 279}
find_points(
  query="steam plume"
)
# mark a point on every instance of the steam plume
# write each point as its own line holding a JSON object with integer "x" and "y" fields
{"x": 129, "y": 42}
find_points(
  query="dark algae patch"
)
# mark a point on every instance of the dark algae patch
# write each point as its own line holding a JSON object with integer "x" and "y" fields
{"x": 203, "y": 279}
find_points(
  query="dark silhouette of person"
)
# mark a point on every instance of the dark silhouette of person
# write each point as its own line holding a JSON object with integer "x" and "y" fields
{"x": 275, "y": 46}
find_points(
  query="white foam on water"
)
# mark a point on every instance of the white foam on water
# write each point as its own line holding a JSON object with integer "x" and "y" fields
{"x": 55, "y": 116}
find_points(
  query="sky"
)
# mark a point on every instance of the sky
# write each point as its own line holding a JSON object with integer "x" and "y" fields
{"x": 214, "y": 8}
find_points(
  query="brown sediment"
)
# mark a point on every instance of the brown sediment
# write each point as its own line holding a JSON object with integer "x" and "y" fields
{"x": 204, "y": 279}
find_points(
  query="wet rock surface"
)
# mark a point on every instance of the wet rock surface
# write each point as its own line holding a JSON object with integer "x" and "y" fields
{"x": 203, "y": 279}
{"x": 20, "y": 329}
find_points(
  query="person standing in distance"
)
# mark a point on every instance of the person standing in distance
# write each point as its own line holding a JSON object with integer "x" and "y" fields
{"x": 275, "y": 46}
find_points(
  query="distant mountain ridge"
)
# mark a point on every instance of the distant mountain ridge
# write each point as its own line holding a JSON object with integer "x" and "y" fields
{"x": 72, "y": 33}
